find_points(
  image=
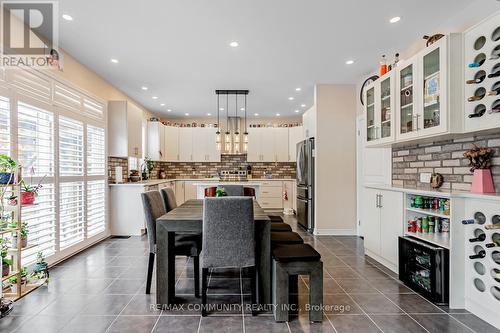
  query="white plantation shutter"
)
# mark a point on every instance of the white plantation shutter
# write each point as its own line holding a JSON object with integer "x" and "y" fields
{"x": 67, "y": 98}
{"x": 31, "y": 83}
{"x": 41, "y": 219}
{"x": 96, "y": 159}
{"x": 35, "y": 140}
{"x": 93, "y": 108}
{"x": 71, "y": 210}
{"x": 4, "y": 125}
{"x": 70, "y": 147}
{"x": 96, "y": 196}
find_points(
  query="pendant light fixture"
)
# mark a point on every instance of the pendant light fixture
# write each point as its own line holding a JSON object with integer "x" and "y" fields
{"x": 231, "y": 143}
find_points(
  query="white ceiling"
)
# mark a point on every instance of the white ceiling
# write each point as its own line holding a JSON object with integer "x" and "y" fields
{"x": 179, "y": 48}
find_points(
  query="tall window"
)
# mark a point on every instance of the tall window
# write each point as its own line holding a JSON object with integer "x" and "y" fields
{"x": 61, "y": 142}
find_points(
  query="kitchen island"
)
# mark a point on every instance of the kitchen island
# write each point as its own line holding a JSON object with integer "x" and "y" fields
{"x": 201, "y": 186}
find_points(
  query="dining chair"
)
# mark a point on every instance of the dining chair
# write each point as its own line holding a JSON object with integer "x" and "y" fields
{"x": 228, "y": 240}
{"x": 233, "y": 190}
{"x": 169, "y": 200}
{"x": 185, "y": 245}
{"x": 248, "y": 192}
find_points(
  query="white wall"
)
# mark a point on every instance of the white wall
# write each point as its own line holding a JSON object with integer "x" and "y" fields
{"x": 335, "y": 159}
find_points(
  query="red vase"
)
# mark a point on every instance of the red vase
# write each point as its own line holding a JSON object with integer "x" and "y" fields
{"x": 482, "y": 182}
{"x": 27, "y": 198}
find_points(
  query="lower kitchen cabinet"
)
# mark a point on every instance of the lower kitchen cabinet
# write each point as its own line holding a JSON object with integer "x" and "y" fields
{"x": 382, "y": 217}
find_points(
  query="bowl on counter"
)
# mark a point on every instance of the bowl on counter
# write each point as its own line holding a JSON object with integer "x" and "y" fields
{"x": 134, "y": 179}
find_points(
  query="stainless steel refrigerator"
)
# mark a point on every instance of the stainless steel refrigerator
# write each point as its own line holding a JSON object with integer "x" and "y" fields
{"x": 305, "y": 184}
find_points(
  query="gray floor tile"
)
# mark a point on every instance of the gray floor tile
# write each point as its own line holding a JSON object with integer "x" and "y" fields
{"x": 11, "y": 322}
{"x": 90, "y": 286}
{"x": 340, "y": 304}
{"x": 106, "y": 305}
{"x": 390, "y": 286}
{"x": 142, "y": 304}
{"x": 220, "y": 324}
{"x": 44, "y": 324}
{"x": 66, "y": 305}
{"x": 342, "y": 273}
{"x": 133, "y": 324}
{"x": 375, "y": 303}
{"x": 86, "y": 324}
{"x": 397, "y": 324}
{"x": 440, "y": 323}
{"x": 176, "y": 324}
{"x": 353, "y": 323}
{"x": 260, "y": 324}
{"x": 302, "y": 325}
{"x": 475, "y": 323}
{"x": 356, "y": 286}
{"x": 124, "y": 286}
{"x": 413, "y": 303}
{"x": 224, "y": 286}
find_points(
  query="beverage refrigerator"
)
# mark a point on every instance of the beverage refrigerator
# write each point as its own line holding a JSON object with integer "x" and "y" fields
{"x": 424, "y": 267}
{"x": 305, "y": 184}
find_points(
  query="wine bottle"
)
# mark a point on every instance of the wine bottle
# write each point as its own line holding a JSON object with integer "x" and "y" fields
{"x": 497, "y": 275}
{"x": 474, "y": 81}
{"x": 475, "y": 98}
{"x": 492, "y": 244}
{"x": 479, "y": 238}
{"x": 383, "y": 66}
{"x": 492, "y": 226}
{"x": 496, "y": 74}
{"x": 494, "y": 110}
{"x": 481, "y": 254}
{"x": 494, "y": 92}
{"x": 476, "y": 115}
{"x": 495, "y": 240}
{"x": 469, "y": 221}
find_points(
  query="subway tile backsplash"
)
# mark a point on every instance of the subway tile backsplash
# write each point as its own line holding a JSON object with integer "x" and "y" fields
{"x": 204, "y": 169}
{"x": 444, "y": 157}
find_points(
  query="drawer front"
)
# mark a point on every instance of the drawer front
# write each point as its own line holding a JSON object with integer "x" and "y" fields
{"x": 270, "y": 183}
{"x": 151, "y": 188}
{"x": 271, "y": 192}
{"x": 270, "y": 202}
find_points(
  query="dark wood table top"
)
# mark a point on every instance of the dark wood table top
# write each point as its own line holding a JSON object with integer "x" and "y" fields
{"x": 192, "y": 210}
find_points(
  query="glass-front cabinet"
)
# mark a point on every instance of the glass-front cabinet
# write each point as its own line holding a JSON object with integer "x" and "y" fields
{"x": 379, "y": 110}
{"x": 422, "y": 103}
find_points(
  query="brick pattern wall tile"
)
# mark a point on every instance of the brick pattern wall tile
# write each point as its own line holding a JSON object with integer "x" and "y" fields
{"x": 117, "y": 161}
{"x": 205, "y": 169}
{"x": 445, "y": 157}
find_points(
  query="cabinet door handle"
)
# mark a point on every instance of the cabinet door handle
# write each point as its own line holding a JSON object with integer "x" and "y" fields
{"x": 376, "y": 201}
{"x": 380, "y": 196}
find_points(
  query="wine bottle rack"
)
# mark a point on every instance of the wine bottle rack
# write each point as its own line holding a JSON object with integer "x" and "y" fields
{"x": 481, "y": 59}
{"x": 482, "y": 285}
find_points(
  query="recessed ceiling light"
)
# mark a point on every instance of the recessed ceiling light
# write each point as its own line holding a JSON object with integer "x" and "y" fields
{"x": 298, "y": 89}
{"x": 186, "y": 114}
{"x": 114, "y": 61}
{"x": 209, "y": 114}
{"x": 349, "y": 62}
{"x": 303, "y": 105}
{"x": 67, "y": 17}
{"x": 395, "y": 19}
{"x": 155, "y": 97}
{"x": 162, "y": 104}
{"x": 144, "y": 88}
{"x": 291, "y": 98}
{"x": 221, "y": 109}
{"x": 297, "y": 111}
{"x": 169, "y": 110}
{"x": 256, "y": 114}
{"x": 234, "y": 44}
{"x": 277, "y": 115}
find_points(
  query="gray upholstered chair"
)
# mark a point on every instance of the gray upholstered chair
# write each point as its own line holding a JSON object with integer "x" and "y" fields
{"x": 168, "y": 196}
{"x": 228, "y": 239}
{"x": 233, "y": 190}
{"x": 185, "y": 245}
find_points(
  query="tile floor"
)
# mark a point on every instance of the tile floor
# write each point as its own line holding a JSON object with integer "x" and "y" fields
{"x": 102, "y": 290}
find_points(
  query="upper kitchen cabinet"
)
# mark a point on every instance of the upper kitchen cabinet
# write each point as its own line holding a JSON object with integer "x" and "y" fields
{"x": 268, "y": 144}
{"x": 281, "y": 149}
{"x": 186, "y": 144}
{"x": 482, "y": 75}
{"x": 171, "y": 144}
{"x": 379, "y": 110}
{"x": 205, "y": 145}
{"x": 125, "y": 129}
{"x": 295, "y": 135}
{"x": 156, "y": 141}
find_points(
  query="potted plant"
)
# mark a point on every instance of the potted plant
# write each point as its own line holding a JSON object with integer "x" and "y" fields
{"x": 7, "y": 168}
{"x": 24, "y": 234}
{"x": 41, "y": 268}
{"x": 13, "y": 280}
{"x": 6, "y": 263}
{"x": 480, "y": 163}
{"x": 29, "y": 192}
{"x": 220, "y": 192}
{"x": 147, "y": 167}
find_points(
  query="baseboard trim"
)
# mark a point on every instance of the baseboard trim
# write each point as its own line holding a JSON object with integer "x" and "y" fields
{"x": 335, "y": 232}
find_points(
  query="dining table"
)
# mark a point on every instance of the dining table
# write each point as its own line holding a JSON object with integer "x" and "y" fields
{"x": 188, "y": 219}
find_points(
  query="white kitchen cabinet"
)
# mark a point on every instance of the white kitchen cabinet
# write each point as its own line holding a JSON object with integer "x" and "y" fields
{"x": 379, "y": 110}
{"x": 171, "y": 144}
{"x": 125, "y": 129}
{"x": 179, "y": 192}
{"x": 295, "y": 135}
{"x": 190, "y": 190}
{"x": 268, "y": 144}
{"x": 185, "y": 144}
{"x": 289, "y": 199}
{"x": 271, "y": 195}
{"x": 382, "y": 225}
{"x": 254, "y": 144}
{"x": 281, "y": 144}
{"x": 156, "y": 141}
{"x": 205, "y": 145}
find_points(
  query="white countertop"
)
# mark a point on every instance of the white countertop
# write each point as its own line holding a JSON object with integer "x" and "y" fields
{"x": 442, "y": 193}
{"x": 153, "y": 182}
{"x": 226, "y": 183}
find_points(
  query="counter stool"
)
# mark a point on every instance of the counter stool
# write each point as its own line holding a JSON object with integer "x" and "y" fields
{"x": 275, "y": 219}
{"x": 280, "y": 227}
{"x": 293, "y": 260}
{"x": 285, "y": 237}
